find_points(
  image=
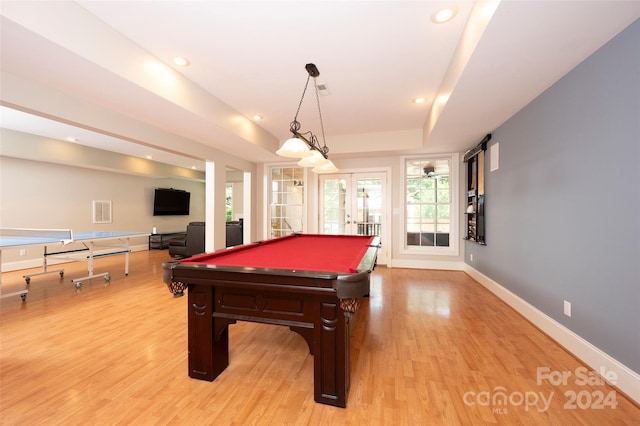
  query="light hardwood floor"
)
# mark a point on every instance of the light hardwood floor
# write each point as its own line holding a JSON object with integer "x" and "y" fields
{"x": 428, "y": 348}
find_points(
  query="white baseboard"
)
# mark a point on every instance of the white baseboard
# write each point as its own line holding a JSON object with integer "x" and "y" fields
{"x": 426, "y": 264}
{"x": 627, "y": 380}
{"x": 37, "y": 262}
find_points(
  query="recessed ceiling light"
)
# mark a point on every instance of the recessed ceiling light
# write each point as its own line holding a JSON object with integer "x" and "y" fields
{"x": 193, "y": 167}
{"x": 444, "y": 15}
{"x": 257, "y": 117}
{"x": 419, "y": 100}
{"x": 148, "y": 157}
{"x": 72, "y": 139}
{"x": 179, "y": 60}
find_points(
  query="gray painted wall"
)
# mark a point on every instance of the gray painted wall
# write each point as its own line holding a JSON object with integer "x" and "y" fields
{"x": 563, "y": 209}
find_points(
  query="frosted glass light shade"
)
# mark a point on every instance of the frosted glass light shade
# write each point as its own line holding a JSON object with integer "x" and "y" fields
{"x": 294, "y": 148}
{"x": 326, "y": 168}
{"x": 314, "y": 160}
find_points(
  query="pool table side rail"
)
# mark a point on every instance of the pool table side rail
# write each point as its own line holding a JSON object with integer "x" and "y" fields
{"x": 341, "y": 285}
{"x": 370, "y": 258}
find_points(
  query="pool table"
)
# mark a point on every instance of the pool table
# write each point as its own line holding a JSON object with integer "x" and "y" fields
{"x": 310, "y": 283}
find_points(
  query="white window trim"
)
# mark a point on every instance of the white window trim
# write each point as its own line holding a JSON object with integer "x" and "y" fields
{"x": 268, "y": 193}
{"x": 454, "y": 185}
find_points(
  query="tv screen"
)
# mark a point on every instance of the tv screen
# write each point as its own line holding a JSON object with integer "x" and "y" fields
{"x": 169, "y": 202}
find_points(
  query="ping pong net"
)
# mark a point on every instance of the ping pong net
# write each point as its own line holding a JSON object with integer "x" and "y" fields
{"x": 35, "y": 235}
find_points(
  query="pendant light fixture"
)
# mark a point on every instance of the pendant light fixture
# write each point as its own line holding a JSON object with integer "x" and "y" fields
{"x": 305, "y": 145}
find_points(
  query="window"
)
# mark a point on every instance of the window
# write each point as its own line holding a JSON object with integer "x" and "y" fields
{"x": 228, "y": 202}
{"x": 430, "y": 210}
{"x": 287, "y": 200}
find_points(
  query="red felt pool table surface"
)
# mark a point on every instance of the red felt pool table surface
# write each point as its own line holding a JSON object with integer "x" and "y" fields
{"x": 309, "y": 252}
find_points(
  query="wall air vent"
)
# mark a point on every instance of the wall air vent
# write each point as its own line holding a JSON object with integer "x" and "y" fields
{"x": 323, "y": 89}
{"x": 101, "y": 211}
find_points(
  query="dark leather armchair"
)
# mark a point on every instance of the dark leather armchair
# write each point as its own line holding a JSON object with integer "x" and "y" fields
{"x": 192, "y": 243}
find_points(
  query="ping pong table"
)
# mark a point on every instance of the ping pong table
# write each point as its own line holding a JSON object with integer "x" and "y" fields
{"x": 92, "y": 245}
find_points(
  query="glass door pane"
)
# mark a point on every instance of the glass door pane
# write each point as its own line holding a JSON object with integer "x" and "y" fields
{"x": 368, "y": 206}
{"x": 286, "y": 200}
{"x": 351, "y": 204}
{"x": 335, "y": 213}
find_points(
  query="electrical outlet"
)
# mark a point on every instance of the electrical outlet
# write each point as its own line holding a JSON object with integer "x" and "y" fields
{"x": 567, "y": 308}
{"x": 23, "y": 252}
{"x": 471, "y": 257}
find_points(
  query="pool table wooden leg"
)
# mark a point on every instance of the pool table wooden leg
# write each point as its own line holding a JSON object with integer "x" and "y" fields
{"x": 331, "y": 354}
{"x": 208, "y": 357}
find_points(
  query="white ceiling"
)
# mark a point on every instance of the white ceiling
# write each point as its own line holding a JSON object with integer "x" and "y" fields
{"x": 101, "y": 71}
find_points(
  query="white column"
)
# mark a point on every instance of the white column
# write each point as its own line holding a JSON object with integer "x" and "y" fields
{"x": 209, "y": 210}
{"x": 247, "y": 208}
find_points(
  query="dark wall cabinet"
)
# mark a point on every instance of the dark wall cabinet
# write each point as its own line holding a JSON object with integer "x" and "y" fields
{"x": 475, "y": 208}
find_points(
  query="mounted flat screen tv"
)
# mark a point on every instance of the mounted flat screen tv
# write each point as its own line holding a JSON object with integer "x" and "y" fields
{"x": 171, "y": 202}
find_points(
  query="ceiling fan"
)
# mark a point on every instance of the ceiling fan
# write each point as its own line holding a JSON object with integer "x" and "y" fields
{"x": 430, "y": 172}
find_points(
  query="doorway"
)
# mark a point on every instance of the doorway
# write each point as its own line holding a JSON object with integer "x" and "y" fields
{"x": 354, "y": 204}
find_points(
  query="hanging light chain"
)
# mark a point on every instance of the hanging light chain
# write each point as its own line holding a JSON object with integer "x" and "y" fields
{"x": 295, "y": 124}
{"x": 310, "y": 139}
{"x": 324, "y": 148}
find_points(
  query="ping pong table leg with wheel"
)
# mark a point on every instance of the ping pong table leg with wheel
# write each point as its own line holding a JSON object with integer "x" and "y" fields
{"x": 45, "y": 269}
{"x": 118, "y": 249}
{"x": 126, "y": 257}
{"x": 77, "y": 282}
{"x": 22, "y": 293}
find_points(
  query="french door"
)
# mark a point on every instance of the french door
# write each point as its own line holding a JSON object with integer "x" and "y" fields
{"x": 353, "y": 204}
